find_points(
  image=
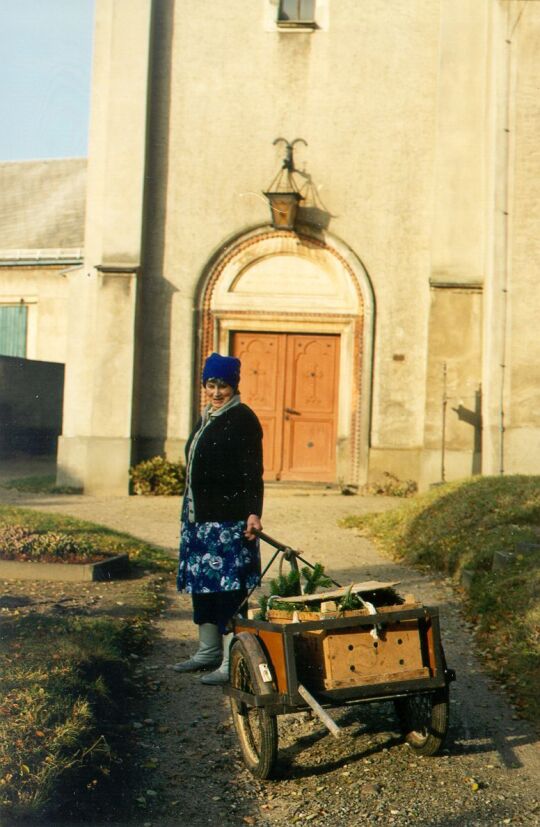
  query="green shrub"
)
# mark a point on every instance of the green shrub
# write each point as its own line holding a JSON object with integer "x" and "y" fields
{"x": 158, "y": 477}
{"x": 390, "y": 486}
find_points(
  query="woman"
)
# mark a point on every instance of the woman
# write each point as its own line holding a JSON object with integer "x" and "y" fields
{"x": 219, "y": 551}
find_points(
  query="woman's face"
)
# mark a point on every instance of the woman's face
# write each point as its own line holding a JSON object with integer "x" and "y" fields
{"x": 218, "y": 393}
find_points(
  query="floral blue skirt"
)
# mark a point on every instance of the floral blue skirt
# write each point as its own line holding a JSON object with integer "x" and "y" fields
{"x": 216, "y": 557}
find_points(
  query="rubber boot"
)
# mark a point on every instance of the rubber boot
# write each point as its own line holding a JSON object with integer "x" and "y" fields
{"x": 221, "y": 675}
{"x": 209, "y": 653}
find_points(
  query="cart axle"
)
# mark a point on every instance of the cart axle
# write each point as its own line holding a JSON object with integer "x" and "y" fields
{"x": 327, "y": 720}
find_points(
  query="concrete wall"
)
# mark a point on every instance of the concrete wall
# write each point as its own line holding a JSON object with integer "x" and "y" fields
{"x": 30, "y": 405}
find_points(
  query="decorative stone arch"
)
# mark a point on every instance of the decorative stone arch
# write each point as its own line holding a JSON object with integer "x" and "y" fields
{"x": 241, "y": 288}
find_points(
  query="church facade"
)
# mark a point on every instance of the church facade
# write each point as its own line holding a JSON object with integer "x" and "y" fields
{"x": 391, "y": 326}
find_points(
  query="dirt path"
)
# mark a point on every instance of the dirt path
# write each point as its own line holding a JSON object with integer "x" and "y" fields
{"x": 488, "y": 775}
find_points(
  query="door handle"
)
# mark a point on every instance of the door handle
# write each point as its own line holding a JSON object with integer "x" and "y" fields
{"x": 292, "y": 411}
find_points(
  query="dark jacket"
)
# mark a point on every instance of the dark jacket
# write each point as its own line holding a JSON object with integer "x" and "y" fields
{"x": 227, "y": 467}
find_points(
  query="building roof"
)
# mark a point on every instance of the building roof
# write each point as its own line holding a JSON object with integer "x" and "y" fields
{"x": 42, "y": 206}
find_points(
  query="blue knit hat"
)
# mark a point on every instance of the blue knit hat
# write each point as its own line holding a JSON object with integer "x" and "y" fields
{"x": 226, "y": 368}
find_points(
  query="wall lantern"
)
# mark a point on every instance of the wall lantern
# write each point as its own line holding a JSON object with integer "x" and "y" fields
{"x": 283, "y": 194}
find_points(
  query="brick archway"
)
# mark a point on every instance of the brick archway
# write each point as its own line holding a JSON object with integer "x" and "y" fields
{"x": 350, "y": 315}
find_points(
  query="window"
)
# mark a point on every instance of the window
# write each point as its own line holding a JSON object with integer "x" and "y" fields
{"x": 13, "y": 326}
{"x": 297, "y": 12}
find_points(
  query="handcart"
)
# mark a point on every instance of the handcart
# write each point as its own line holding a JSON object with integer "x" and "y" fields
{"x": 324, "y": 658}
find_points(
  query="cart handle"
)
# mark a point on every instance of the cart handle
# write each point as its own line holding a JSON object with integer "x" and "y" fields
{"x": 293, "y": 556}
{"x": 289, "y": 553}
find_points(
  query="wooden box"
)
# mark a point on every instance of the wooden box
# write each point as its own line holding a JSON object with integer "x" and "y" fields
{"x": 335, "y": 658}
{"x": 338, "y": 658}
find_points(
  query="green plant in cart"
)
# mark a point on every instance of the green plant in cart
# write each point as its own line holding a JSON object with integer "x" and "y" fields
{"x": 315, "y": 578}
{"x": 288, "y": 585}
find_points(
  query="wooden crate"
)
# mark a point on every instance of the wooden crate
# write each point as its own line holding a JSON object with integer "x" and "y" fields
{"x": 284, "y": 616}
{"x": 338, "y": 658}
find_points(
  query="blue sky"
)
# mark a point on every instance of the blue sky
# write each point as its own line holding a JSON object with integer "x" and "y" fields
{"x": 45, "y": 67}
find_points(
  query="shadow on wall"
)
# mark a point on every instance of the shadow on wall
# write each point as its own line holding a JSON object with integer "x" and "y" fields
{"x": 31, "y": 398}
{"x": 474, "y": 418}
{"x": 313, "y": 211}
{"x": 155, "y": 294}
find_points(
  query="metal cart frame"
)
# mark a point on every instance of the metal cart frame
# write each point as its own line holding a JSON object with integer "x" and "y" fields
{"x": 266, "y": 678}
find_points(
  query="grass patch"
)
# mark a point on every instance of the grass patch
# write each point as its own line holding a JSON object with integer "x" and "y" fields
{"x": 66, "y": 683}
{"x": 66, "y": 692}
{"x": 460, "y": 525}
{"x": 40, "y": 485}
{"x": 104, "y": 541}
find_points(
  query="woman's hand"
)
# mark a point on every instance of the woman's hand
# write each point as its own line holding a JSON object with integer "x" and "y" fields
{"x": 253, "y": 524}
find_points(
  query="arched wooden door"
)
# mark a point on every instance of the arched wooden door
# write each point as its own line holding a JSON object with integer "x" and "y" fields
{"x": 291, "y": 382}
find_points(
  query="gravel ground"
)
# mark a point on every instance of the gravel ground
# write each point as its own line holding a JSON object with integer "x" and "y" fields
{"x": 489, "y": 773}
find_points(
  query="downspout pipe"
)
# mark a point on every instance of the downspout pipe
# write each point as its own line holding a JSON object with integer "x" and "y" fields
{"x": 504, "y": 287}
{"x": 508, "y": 152}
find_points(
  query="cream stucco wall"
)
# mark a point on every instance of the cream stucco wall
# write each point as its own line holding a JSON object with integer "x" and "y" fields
{"x": 43, "y": 290}
{"x": 460, "y": 195}
{"x": 512, "y": 301}
{"x": 453, "y": 435}
{"x": 521, "y": 452}
{"x": 363, "y": 94}
{"x": 95, "y": 447}
{"x": 421, "y": 122}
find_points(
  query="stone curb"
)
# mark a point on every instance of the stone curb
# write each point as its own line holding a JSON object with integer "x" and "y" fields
{"x": 113, "y": 567}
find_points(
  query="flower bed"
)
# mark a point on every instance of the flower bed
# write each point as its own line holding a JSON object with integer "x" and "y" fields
{"x": 25, "y": 545}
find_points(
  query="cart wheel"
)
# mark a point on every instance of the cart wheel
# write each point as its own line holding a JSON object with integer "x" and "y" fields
{"x": 255, "y": 727}
{"x": 424, "y": 720}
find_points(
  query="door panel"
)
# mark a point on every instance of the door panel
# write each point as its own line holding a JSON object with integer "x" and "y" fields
{"x": 309, "y": 453}
{"x": 311, "y": 391}
{"x": 291, "y": 382}
{"x": 262, "y": 389}
{"x": 312, "y": 373}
